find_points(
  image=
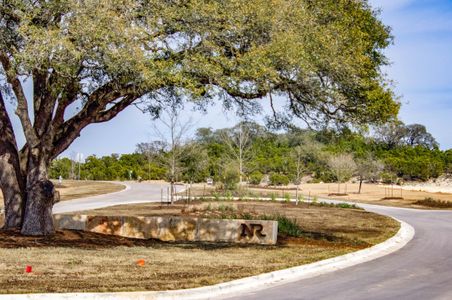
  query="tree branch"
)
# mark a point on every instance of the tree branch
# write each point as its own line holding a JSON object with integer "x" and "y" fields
{"x": 22, "y": 104}
{"x": 94, "y": 111}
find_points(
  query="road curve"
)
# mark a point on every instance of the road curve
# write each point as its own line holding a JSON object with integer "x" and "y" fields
{"x": 133, "y": 193}
{"x": 420, "y": 270}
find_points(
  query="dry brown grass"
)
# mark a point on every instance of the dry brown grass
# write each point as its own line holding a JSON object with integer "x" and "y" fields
{"x": 352, "y": 225}
{"x": 66, "y": 268}
{"x": 370, "y": 193}
{"x": 375, "y": 194}
{"x": 73, "y": 189}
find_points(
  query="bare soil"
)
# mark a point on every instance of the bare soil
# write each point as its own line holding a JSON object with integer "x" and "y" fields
{"x": 370, "y": 193}
{"x": 88, "y": 262}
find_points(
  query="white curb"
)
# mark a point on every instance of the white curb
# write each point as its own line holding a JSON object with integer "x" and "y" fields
{"x": 403, "y": 236}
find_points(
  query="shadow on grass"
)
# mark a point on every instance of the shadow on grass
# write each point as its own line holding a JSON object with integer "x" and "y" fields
{"x": 75, "y": 239}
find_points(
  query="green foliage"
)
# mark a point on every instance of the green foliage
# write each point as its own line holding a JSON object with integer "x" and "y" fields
{"x": 286, "y": 226}
{"x": 413, "y": 163}
{"x": 230, "y": 178}
{"x": 301, "y": 198}
{"x": 287, "y": 197}
{"x": 225, "y": 208}
{"x": 337, "y": 205}
{"x": 279, "y": 179}
{"x": 255, "y": 178}
{"x": 273, "y": 197}
{"x": 282, "y": 156}
{"x": 61, "y": 167}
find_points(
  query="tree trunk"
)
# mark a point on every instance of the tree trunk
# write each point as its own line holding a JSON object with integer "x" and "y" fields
{"x": 12, "y": 181}
{"x": 38, "y": 218}
{"x": 13, "y": 194}
{"x": 360, "y": 185}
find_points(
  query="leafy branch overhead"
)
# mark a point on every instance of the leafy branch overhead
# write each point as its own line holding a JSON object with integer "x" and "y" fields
{"x": 89, "y": 60}
{"x": 325, "y": 56}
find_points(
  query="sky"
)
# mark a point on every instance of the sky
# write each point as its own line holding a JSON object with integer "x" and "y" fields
{"x": 421, "y": 68}
{"x": 422, "y": 62}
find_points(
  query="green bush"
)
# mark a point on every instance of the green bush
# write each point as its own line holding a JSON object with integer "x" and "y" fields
{"x": 388, "y": 178}
{"x": 286, "y": 226}
{"x": 287, "y": 197}
{"x": 255, "y": 178}
{"x": 231, "y": 178}
{"x": 279, "y": 179}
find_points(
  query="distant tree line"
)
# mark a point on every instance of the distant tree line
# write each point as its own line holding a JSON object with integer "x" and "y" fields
{"x": 253, "y": 153}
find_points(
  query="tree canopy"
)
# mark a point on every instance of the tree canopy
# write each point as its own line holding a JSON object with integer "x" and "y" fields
{"x": 89, "y": 60}
{"x": 277, "y": 157}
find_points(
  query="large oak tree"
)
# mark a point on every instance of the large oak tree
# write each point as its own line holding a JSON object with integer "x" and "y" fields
{"x": 100, "y": 56}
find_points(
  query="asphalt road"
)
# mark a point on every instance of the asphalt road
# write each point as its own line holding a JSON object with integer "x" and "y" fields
{"x": 420, "y": 270}
{"x": 134, "y": 193}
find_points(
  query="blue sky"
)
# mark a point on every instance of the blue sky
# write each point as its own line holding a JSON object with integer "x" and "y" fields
{"x": 422, "y": 62}
{"x": 421, "y": 69}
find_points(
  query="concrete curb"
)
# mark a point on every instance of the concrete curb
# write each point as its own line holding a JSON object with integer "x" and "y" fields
{"x": 258, "y": 282}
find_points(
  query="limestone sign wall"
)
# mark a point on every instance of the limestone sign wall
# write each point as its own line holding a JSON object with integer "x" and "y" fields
{"x": 175, "y": 228}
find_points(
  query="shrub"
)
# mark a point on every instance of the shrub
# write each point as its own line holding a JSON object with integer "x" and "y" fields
{"x": 279, "y": 179}
{"x": 226, "y": 208}
{"x": 273, "y": 197}
{"x": 388, "y": 178}
{"x": 256, "y": 177}
{"x": 430, "y": 202}
{"x": 287, "y": 197}
{"x": 346, "y": 205}
{"x": 286, "y": 226}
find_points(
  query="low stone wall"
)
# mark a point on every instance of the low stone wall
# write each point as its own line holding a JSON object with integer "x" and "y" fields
{"x": 175, "y": 228}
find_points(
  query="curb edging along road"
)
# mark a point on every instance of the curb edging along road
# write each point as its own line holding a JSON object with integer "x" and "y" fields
{"x": 253, "y": 283}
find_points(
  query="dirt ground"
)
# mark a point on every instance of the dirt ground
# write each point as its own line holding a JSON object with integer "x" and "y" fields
{"x": 374, "y": 194}
{"x": 370, "y": 193}
{"x": 77, "y": 261}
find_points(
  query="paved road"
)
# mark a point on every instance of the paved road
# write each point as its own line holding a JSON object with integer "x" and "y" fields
{"x": 134, "y": 193}
{"x": 420, "y": 270}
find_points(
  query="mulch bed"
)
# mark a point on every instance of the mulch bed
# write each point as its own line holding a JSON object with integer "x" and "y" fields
{"x": 69, "y": 239}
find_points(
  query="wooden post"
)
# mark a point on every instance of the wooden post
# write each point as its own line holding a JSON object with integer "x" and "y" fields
{"x": 296, "y": 196}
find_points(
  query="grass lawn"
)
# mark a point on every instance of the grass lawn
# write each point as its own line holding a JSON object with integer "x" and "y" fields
{"x": 78, "y": 261}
